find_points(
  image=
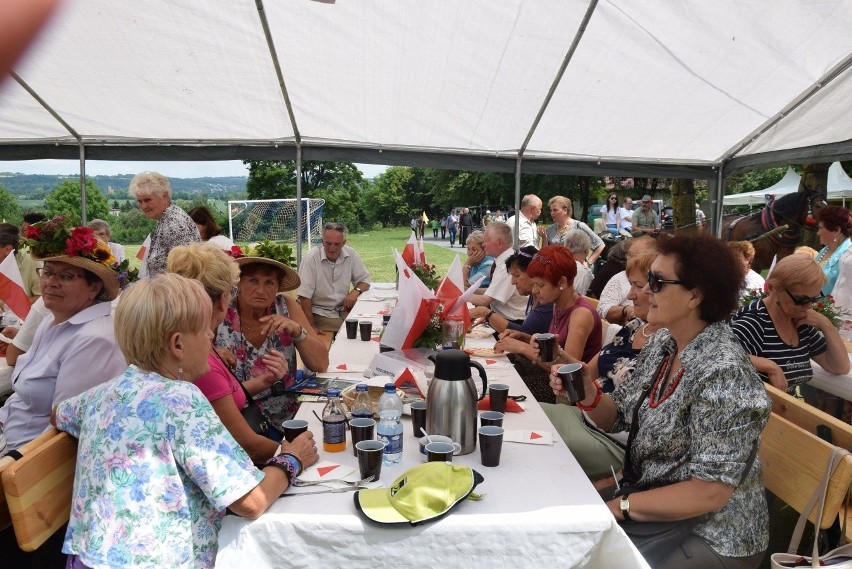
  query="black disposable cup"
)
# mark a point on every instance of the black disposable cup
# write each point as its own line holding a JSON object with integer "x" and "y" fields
{"x": 366, "y": 330}
{"x": 546, "y": 346}
{"x": 418, "y": 417}
{"x": 439, "y": 452}
{"x": 370, "y": 458}
{"x": 362, "y": 430}
{"x": 572, "y": 381}
{"x": 385, "y": 319}
{"x": 490, "y": 445}
{"x": 293, "y": 428}
{"x": 491, "y": 418}
{"x": 351, "y": 328}
{"x": 498, "y": 393}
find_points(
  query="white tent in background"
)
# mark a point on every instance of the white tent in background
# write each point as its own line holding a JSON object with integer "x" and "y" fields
{"x": 839, "y": 188}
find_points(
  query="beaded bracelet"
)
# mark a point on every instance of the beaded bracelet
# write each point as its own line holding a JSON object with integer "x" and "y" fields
{"x": 287, "y": 462}
{"x": 595, "y": 402}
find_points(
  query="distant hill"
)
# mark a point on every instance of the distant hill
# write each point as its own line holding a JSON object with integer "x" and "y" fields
{"x": 27, "y": 184}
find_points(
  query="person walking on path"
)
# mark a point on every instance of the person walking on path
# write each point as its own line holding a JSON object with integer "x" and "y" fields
{"x": 452, "y": 227}
{"x": 443, "y": 228}
{"x": 466, "y": 223}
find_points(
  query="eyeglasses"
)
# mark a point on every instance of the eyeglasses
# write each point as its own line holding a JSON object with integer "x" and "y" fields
{"x": 613, "y": 198}
{"x": 656, "y": 282}
{"x": 803, "y": 300}
{"x": 541, "y": 259}
{"x": 64, "y": 279}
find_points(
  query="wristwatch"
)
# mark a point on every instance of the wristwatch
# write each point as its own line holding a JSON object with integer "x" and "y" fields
{"x": 301, "y": 336}
{"x": 624, "y": 506}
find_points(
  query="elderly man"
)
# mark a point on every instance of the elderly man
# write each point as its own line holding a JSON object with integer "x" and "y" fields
{"x": 501, "y": 296}
{"x": 153, "y": 193}
{"x": 645, "y": 219}
{"x": 465, "y": 226}
{"x": 326, "y": 273}
{"x": 530, "y": 212}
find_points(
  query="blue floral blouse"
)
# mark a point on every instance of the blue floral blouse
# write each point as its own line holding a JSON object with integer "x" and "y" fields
{"x": 155, "y": 471}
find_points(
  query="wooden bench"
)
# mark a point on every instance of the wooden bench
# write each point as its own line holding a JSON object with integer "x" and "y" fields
{"x": 8, "y": 461}
{"x": 794, "y": 462}
{"x": 38, "y": 490}
{"x": 810, "y": 418}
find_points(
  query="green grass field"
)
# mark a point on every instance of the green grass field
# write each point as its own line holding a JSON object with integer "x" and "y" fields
{"x": 375, "y": 248}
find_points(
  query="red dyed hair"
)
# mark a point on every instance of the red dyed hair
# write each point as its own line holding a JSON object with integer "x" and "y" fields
{"x": 561, "y": 264}
{"x": 834, "y": 217}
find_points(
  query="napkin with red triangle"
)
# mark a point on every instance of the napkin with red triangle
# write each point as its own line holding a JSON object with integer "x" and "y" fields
{"x": 512, "y": 406}
{"x": 326, "y": 470}
{"x": 529, "y": 437}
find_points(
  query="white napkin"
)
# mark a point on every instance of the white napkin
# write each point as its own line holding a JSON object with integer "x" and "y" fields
{"x": 348, "y": 368}
{"x": 529, "y": 437}
{"x": 327, "y": 470}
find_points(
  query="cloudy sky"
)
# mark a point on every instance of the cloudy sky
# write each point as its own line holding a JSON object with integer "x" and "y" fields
{"x": 171, "y": 169}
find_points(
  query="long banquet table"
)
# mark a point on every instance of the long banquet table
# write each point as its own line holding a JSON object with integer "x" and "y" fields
{"x": 539, "y": 508}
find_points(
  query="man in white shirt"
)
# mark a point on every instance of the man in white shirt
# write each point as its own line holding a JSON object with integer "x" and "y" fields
{"x": 625, "y": 215}
{"x": 501, "y": 296}
{"x": 326, "y": 273}
{"x": 530, "y": 212}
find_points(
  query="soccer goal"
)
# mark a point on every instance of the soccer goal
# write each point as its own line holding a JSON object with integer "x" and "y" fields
{"x": 250, "y": 221}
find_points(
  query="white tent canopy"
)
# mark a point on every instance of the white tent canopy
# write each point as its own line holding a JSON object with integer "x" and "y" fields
{"x": 839, "y": 187}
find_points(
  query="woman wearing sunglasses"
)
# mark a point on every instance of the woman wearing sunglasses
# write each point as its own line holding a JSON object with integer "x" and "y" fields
{"x": 783, "y": 332}
{"x": 610, "y": 215}
{"x": 694, "y": 409}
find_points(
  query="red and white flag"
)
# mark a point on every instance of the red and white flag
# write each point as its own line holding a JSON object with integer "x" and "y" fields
{"x": 421, "y": 253}
{"x": 453, "y": 295}
{"x": 412, "y": 313}
{"x": 143, "y": 250}
{"x": 769, "y": 272}
{"x": 12, "y": 287}
{"x": 411, "y": 253}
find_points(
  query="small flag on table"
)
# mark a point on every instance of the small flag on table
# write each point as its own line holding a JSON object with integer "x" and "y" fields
{"x": 143, "y": 250}
{"x": 12, "y": 287}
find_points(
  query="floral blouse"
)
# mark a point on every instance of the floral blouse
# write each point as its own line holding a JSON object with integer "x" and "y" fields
{"x": 156, "y": 470}
{"x": 276, "y": 408}
{"x": 706, "y": 429}
{"x": 618, "y": 358}
{"x": 174, "y": 228}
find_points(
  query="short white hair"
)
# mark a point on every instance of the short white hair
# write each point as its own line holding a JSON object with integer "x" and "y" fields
{"x": 150, "y": 184}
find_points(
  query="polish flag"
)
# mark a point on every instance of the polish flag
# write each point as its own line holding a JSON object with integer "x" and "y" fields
{"x": 769, "y": 272}
{"x": 12, "y": 287}
{"x": 453, "y": 295}
{"x": 412, "y": 313}
{"x": 422, "y": 252}
{"x": 410, "y": 253}
{"x": 143, "y": 250}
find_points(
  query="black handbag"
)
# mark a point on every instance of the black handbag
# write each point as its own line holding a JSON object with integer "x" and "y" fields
{"x": 656, "y": 540}
{"x": 251, "y": 412}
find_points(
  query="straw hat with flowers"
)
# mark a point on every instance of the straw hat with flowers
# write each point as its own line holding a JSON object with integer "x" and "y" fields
{"x": 263, "y": 254}
{"x": 57, "y": 240}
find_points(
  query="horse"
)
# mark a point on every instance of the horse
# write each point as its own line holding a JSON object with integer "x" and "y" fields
{"x": 776, "y": 229}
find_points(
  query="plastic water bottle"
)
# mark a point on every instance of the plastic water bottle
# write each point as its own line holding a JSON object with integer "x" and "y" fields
{"x": 362, "y": 407}
{"x": 333, "y": 423}
{"x": 390, "y": 426}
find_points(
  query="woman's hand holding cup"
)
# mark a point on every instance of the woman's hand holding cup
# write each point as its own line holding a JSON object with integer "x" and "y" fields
{"x": 303, "y": 447}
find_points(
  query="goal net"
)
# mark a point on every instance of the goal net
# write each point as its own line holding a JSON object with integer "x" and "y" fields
{"x": 250, "y": 221}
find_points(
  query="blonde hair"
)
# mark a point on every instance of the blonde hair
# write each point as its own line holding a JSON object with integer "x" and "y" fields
{"x": 562, "y": 202}
{"x": 744, "y": 248}
{"x": 150, "y": 184}
{"x": 476, "y": 237}
{"x": 206, "y": 263}
{"x": 152, "y": 310}
{"x": 805, "y": 250}
{"x": 641, "y": 263}
{"x": 796, "y": 270}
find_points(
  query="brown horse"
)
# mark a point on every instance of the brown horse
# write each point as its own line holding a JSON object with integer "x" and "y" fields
{"x": 765, "y": 228}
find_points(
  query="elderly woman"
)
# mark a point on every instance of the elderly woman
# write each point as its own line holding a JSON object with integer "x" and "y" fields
{"x": 694, "y": 409}
{"x": 575, "y": 323}
{"x": 219, "y": 274}
{"x": 478, "y": 264}
{"x": 614, "y": 306}
{"x": 103, "y": 232}
{"x": 563, "y": 224}
{"x": 156, "y": 469}
{"x": 598, "y": 451}
{"x": 74, "y": 348}
{"x": 834, "y": 226}
{"x": 263, "y": 330}
{"x": 209, "y": 229}
{"x": 744, "y": 251}
{"x": 153, "y": 193}
{"x": 578, "y": 243}
{"x": 783, "y": 332}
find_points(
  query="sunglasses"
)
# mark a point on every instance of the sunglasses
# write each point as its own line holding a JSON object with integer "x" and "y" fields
{"x": 803, "y": 300}
{"x": 656, "y": 282}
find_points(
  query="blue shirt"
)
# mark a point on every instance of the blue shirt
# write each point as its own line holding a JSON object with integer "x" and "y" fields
{"x": 483, "y": 268}
{"x": 831, "y": 268}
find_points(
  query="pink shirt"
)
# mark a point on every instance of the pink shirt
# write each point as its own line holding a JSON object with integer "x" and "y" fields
{"x": 219, "y": 382}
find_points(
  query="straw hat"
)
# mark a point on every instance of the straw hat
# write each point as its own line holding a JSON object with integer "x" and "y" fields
{"x": 290, "y": 280}
{"x": 56, "y": 240}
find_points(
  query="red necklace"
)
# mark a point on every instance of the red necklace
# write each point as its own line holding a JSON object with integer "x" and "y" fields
{"x": 653, "y": 402}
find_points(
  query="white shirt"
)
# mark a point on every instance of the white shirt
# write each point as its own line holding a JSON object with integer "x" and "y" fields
{"x": 527, "y": 235}
{"x": 222, "y": 242}
{"x": 117, "y": 252}
{"x": 326, "y": 283}
{"x": 583, "y": 279}
{"x": 614, "y": 294}
{"x": 64, "y": 360}
{"x": 753, "y": 281}
{"x": 505, "y": 299}
{"x": 626, "y": 218}
{"x": 24, "y": 338}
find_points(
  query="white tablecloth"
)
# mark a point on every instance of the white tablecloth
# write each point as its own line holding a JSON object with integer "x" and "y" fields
{"x": 539, "y": 509}
{"x": 840, "y": 385}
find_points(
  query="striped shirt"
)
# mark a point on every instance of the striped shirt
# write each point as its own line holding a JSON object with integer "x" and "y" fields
{"x": 754, "y": 329}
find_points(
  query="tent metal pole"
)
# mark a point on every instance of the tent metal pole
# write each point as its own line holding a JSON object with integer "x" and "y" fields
{"x": 717, "y": 191}
{"x": 299, "y": 224}
{"x": 277, "y": 65}
{"x": 83, "y": 184}
{"x": 517, "y": 227}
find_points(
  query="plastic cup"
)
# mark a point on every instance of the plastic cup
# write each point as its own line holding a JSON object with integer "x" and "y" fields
{"x": 293, "y": 428}
{"x": 498, "y": 394}
{"x": 351, "y": 328}
{"x": 572, "y": 381}
{"x": 366, "y": 330}
{"x": 370, "y": 458}
{"x": 546, "y": 346}
{"x": 491, "y": 418}
{"x": 490, "y": 445}
{"x": 418, "y": 417}
{"x": 439, "y": 452}
{"x": 362, "y": 429}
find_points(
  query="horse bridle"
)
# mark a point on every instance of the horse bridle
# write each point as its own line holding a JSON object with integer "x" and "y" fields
{"x": 771, "y": 220}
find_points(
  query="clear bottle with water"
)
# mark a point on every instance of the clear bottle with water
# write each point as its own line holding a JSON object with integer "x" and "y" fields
{"x": 390, "y": 425}
{"x": 362, "y": 406}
